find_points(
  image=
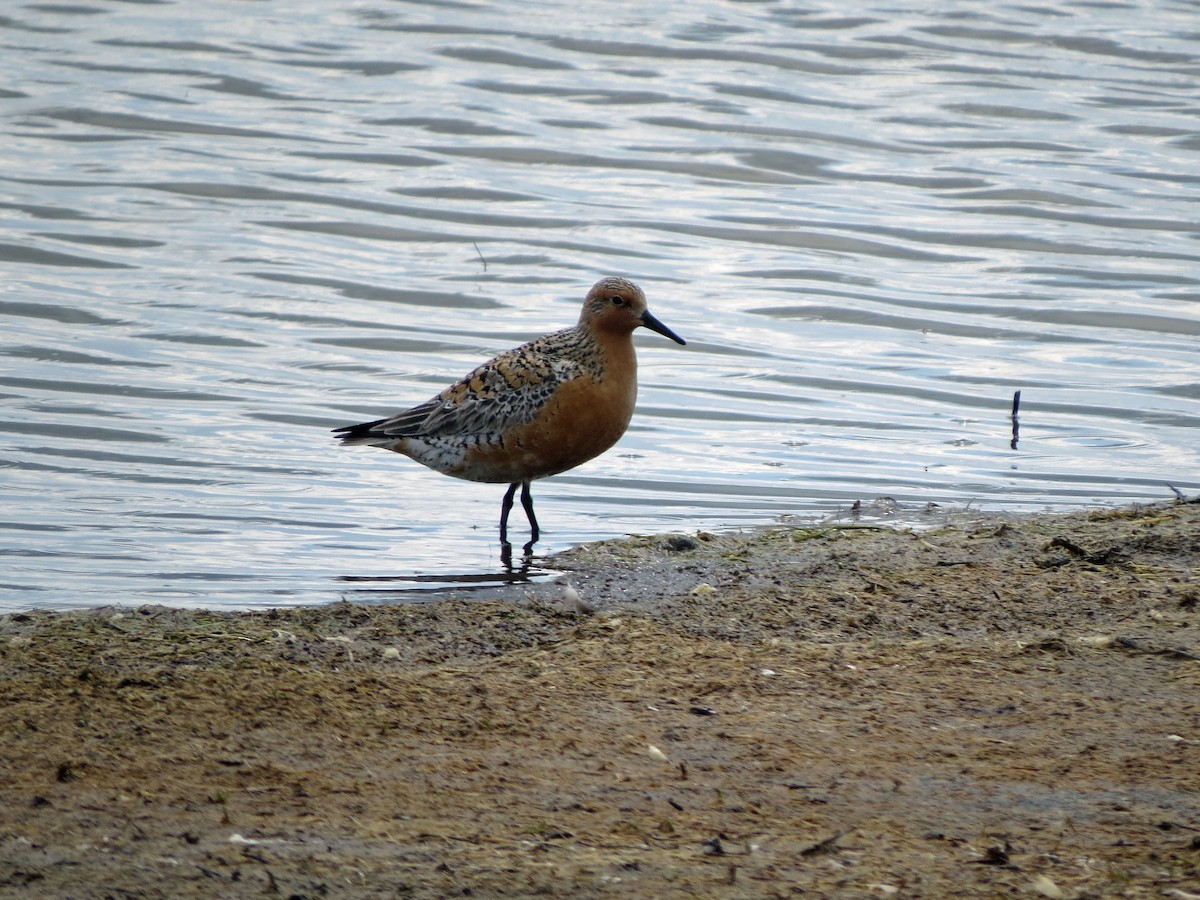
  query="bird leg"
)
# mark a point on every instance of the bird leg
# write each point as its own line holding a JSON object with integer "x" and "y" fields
{"x": 527, "y": 502}
{"x": 505, "y": 508}
{"x": 507, "y": 505}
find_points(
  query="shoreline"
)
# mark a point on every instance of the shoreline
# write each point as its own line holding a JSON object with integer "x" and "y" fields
{"x": 980, "y": 707}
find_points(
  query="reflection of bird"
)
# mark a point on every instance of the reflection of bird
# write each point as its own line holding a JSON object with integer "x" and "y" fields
{"x": 537, "y": 410}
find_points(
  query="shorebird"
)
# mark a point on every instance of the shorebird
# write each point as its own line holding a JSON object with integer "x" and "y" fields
{"x": 533, "y": 411}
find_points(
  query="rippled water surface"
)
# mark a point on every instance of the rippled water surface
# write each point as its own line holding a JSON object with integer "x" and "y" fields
{"x": 227, "y": 227}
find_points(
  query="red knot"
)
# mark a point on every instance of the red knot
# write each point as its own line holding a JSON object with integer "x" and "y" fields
{"x": 536, "y": 410}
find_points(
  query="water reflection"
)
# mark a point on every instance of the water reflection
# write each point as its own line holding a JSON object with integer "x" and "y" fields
{"x": 523, "y": 563}
{"x": 494, "y": 583}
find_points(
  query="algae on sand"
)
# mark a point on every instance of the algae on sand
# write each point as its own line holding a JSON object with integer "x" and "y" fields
{"x": 995, "y": 707}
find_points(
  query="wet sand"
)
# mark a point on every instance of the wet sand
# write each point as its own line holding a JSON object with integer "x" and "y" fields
{"x": 983, "y": 708}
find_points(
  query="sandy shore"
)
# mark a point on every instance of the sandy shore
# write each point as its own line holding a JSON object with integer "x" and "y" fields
{"x": 998, "y": 707}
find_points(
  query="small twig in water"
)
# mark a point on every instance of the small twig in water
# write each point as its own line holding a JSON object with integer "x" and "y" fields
{"x": 481, "y": 259}
{"x": 1015, "y": 422}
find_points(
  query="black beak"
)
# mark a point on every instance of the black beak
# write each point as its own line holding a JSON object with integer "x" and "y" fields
{"x": 654, "y": 325}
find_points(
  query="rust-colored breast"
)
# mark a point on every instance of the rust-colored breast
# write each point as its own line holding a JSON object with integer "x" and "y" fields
{"x": 580, "y": 420}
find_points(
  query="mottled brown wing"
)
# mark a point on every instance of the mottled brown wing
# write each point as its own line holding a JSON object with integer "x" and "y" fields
{"x": 502, "y": 393}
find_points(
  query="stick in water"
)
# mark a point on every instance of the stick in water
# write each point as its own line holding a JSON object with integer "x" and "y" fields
{"x": 1016, "y": 424}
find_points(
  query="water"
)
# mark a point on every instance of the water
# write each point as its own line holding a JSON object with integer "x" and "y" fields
{"x": 229, "y": 227}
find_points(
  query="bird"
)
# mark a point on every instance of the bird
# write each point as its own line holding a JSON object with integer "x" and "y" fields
{"x": 537, "y": 410}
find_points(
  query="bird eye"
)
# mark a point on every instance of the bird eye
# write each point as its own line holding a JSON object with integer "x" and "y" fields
{"x": 617, "y": 300}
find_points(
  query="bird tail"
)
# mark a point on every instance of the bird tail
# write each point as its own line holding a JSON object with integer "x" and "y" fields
{"x": 362, "y": 433}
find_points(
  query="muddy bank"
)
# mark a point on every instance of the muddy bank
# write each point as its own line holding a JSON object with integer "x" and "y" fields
{"x": 989, "y": 708}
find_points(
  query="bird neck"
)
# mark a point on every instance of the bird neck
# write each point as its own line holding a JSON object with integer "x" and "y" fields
{"x": 615, "y": 350}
